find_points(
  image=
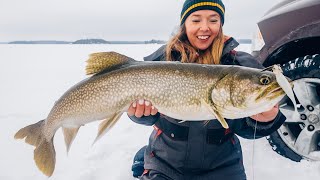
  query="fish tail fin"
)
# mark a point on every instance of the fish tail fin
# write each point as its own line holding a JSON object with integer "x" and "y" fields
{"x": 44, "y": 154}
{"x": 31, "y": 133}
{"x": 45, "y": 157}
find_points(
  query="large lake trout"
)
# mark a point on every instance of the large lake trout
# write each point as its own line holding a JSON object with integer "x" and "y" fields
{"x": 185, "y": 91}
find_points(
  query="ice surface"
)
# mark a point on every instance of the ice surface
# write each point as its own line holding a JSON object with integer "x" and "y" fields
{"x": 33, "y": 77}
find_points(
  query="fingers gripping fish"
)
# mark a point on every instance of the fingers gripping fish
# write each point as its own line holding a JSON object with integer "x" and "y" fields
{"x": 185, "y": 91}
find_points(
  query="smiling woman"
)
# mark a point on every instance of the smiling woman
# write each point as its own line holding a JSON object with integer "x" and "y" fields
{"x": 191, "y": 150}
{"x": 202, "y": 28}
{"x": 201, "y": 31}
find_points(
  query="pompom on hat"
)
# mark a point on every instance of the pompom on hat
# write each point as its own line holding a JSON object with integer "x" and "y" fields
{"x": 191, "y": 6}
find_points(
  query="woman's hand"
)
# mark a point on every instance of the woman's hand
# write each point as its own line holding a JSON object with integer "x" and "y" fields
{"x": 266, "y": 116}
{"x": 142, "y": 107}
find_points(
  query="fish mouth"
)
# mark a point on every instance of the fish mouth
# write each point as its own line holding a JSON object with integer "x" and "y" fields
{"x": 271, "y": 92}
{"x": 278, "y": 90}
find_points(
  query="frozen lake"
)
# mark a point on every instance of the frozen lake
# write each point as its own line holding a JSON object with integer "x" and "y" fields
{"x": 33, "y": 77}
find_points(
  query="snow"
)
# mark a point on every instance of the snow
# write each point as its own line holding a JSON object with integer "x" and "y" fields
{"x": 33, "y": 77}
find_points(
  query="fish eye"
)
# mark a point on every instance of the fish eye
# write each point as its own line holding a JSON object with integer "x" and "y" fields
{"x": 265, "y": 79}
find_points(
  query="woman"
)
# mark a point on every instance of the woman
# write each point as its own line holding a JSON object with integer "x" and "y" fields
{"x": 191, "y": 150}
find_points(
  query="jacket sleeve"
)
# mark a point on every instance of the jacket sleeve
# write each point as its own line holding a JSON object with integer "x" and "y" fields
{"x": 249, "y": 128}
{"x": 246, "y": 59}
{"x": 145, "y": 120}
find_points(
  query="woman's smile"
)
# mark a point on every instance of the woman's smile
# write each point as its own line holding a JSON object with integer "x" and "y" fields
{"x": 202, "y": 27}
{"x": 203, "y": 37}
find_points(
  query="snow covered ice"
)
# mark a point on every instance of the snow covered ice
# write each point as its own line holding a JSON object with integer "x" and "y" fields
{"x": 33, "y": 77}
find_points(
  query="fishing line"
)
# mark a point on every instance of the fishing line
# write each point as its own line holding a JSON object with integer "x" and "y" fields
{"x": 254, "y": 139}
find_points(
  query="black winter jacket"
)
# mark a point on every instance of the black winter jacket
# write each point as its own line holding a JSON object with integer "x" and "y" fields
{"x": 191, "y": 150}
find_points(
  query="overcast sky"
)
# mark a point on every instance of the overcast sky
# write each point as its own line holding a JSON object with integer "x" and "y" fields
{"x": 113, "y": 19}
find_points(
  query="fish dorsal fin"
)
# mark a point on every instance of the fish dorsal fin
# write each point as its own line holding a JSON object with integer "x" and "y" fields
{"x": 106, "y": 125}
{"x": 69, "y": 135}
{"x": 102, "y": 61}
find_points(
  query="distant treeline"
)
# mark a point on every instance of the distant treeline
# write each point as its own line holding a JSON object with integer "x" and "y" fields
{"x": 89, "y": 41}
{"x": 40, "y": 42}
{"x": 102, "y": 41}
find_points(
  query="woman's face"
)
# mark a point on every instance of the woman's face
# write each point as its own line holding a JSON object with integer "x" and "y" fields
{"x": 202, "y": 28}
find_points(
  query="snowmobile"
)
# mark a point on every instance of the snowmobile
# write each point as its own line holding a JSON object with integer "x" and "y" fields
{"x": 289, "y": 35}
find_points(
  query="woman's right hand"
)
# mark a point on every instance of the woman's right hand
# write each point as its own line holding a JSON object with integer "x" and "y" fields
{"x": 141, "y": 108}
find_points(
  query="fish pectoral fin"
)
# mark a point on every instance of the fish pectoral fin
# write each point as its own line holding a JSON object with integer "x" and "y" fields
{"x": 106, "y": 125}
{"x": 216, "y": 113}
{"x": 105, "y": 61}
{"x": 221, "y": 119}
{"x": 69, "y": 135}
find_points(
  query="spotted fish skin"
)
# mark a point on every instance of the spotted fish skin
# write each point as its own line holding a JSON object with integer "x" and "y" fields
{"x": 185, "y": 91}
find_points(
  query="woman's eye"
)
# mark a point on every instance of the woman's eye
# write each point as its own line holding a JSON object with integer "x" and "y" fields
{"x": 195, "y": 20}
{"x": 213, "y": 20}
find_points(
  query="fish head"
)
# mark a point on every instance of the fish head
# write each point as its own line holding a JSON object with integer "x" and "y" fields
{"x": 246, "y": 92}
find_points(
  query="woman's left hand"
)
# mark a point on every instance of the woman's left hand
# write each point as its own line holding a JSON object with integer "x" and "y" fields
{"x": 267, "y": 116}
